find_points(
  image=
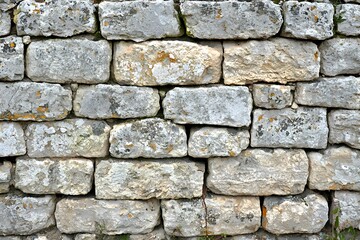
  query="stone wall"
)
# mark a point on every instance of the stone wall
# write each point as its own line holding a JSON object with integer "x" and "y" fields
{"x": 150, "y": 120}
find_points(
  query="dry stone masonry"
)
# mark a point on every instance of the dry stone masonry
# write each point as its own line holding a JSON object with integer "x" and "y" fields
{"x": 179, "y": 120}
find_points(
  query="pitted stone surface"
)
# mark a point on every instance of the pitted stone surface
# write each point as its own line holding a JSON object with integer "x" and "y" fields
{"x": 48, "y": 234}
{"x": 12, "y": 142}
{"x": 259, "y": 172}
{"x": 348, "y": 207}
{"x": 272, "y": 96}
{"x": 274, "y": 60}
{"x": 5, "y": 23}
{"x": 68, "y": 138}
{"x": 166, "y": 63}
{"x": 145, "y": 179}
{"x": 349, "y": 15}
{"x": 5, "y": 176}
{"x": 157, "y": 234}
{"x": 88, "y": 215}
{"x": 149, "y": 138}
{"x": 112, "y": 101}
{"x": 290, "y": 128}
{"x": 215, "y": 105}
{"x": 11, "y": 59}
{"x": 69, "y": 60}
{"x": 231, "y": 19}
{"x": 8, "y": 4}
{"x": 139, "y": 20}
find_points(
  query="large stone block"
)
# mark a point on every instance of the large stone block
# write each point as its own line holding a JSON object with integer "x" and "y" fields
{"x": 5, "y": 176}
{"x": 11, "y": 59}
{"x": 274, "y": 60}
{"x": 5, "y": 23}
{"x": 12, "y": 141}
{"x": 8, "y": 4}
{"x": 272, "y": 96}
{"x": 346, "y": 207}
{"x": 349, "y": 15}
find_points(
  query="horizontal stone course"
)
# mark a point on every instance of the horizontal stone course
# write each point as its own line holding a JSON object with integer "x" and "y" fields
{"x": 272, "y": 96}
{"x": 12, "y": 141}
{"x": 349, "y": 15}
{"x": 5, "y": 23}
{"x": 11, "y": 59}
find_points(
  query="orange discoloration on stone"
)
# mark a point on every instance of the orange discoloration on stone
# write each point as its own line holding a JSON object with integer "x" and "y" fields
{"x": 316, "y": 55}
{"x": 38, "y": 94}
{"x": 42, "y": 109}
{"x": 260, "y": 117}
{"x": 162, "y": 56}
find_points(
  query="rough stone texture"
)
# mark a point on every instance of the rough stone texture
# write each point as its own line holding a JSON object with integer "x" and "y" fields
{"x": 274, "y": 60}
{"x": 231, "y": 19}
{"x": 259, "y": 172}
{"x": 263, "y": 235}
{"x": 349, "y": 205}
{"x": 339, "y": 92}
{"x": 215, "y": 105}
{"x": 217, "y": 142}
{"x": 157, "y": 234}
{"x": 5, "y": 23}
{"x": 8, "y": 4}
{"x": 112, "y": 101}
{"x": 11, "y": 58}
{"x": 291, "y": 128}
{"x": 148, "y": 138}
{"x": 49, "y": 234}
{"x": 69, "y": 60}
{"x": 305, "y": 213}
{"x": 138, "y": 20}
{"x": 349, "y": 15}
{"x": 166, "y": 63}
{"x": 25, "y": 215}
{"x": 308, "y": 20}
{"x": 51, "y": 176}
{"x": 12, "y": 142}
{"x": 88, "y": 215}
{"x": 272, "y": 96}
{"x": 225, "y": 215}
{"x": 85, "y": 236}
{"x": 347, "y": 1}
{"x": 34, "y": 101}
{"x": 5, "y": 176}
{"x": 40, "y": 18}
{"x": 68, "y": 138}
{"x": 339, "y": 56}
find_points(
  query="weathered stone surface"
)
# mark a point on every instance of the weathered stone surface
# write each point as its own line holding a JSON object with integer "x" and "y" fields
{"x": 274, "y": 60}
{"x": 12, "y": 142}
{"x": 5, "y": 176}
{"x": 49, "y": 234}
{"x": 339, "y": 92}
{"x": 305, "y": 213}
{"x": 215, "y": 105}
{"x": 68, "y": 138}
{"x": 231, "y": 19}
{"x": 85, "y": 236}
{"x": 148, "y": 138}
{"x": 34, "y": 101}
{"x": 259, "y": 172}
{"x": 157, "y": 234}
{"x": 347, "y": 206}
{"x": 5, "y": 23}
{"x": 69, "y": 60}
{"x": 217, "y": 142}
{"x": 8, "y": 4}
{"x": 290, "y": 128}
{"x": 10, "y": 238}
{"x": 25, "y": 215}
{"x": 339, "y": 56}
{"x": 88, "y": 215}
{"x": 145, "y": 179}
{"x": 166, "y": 63}
{"x": 272, "y": 96}
{"x": 11, "y": 58}
{"x": 263, "y": 235}
{"x": 349, "y": 15}
{"x": 225, "y": 215}
{"x": 112, "y": 101}
{"x": 138, "y": 20}
{"x": 62, "y": 18}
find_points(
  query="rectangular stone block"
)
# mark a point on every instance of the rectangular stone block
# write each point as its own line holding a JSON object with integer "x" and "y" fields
{"x": 349, "y": 15}
{"x": 145, "y": 179}
{"x": 259, "y": 172}
{"x": 88, "y": 215}
{"x": 68, "y": 138}
{"x": 274, "y": 60}
{"x": 113, "y": 101}
{"x": 12, "y": 141}
{"x": 5, "y": 23}
{"x": 11, "y": 58}
{"x": 346, "y": 204}
{"x": 272, "y": 96}
{"x": 5, "y": 176}
{"x": 69, "y": 60}
{"x": 290, "y": 128}
{"x": 215, "y": 105}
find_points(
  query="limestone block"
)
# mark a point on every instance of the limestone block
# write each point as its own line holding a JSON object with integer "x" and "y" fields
{"x": 272, "y": 96}
{"x": 12, "y": 141}
{"x": 11, "y": 58}
{"x": 348, "y": 15}
{"x": 5, "y": 176}
{"x": 8, "y": 4}
{"x": 5, "y": 23}
{"x": 347, "y": 206}
{"x": 85, "y": 236}
{"x": 157, "y": 234}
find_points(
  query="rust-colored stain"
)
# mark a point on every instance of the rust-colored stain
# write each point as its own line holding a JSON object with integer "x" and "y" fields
{"x": 272, "y": 94}
{"x": 106, "y": 23}
{"x": 232, "y": 153}
{"x": 333, "y": 186}
{"x": 316, "y": 55}
{"x": 272, "y": 119}
{"x": 169, "y": 148}
{"x": 263, "y": 213}
{"x": 219, "y": 14}
{"x": 153, "y": 146}
{"x": 37, "y": 11}
{"x": 12, "y": 45}
{"x": 42, "y": 109}
{"x": 130, "y": 215}
{"x": 313, "y": 8}
{"x": 38, "y": 93}
{"x": 162, "y": 56}
{"x": 316, "y": 18}
{"x": 260, "y": 117}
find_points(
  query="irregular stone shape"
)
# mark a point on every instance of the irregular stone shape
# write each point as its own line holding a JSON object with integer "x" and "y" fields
{"x": 308, "y": 20}
{"x": 69, "y": 60}
{"x": 68, "y": 138}
{"x": 231, "y": 20}
{"x": 62, "y": 18}
{"x": 34, "y": 101}
{"x": 148, "y": 138}
{"x": 26, "y": 215}
{"x": 5, "y": 23}
{"x": 166, "y": 63}
{"x": 215, "y": 105}
{"x": 259, "y": 172}
{"x": 51, "y": 234}
{"x": 113, "y": 101}
{"x": 208, "y": 142}
{"x": 225, "y": 215}
{"x": 263, "y": 235}
{"x": 11, "y": 58}
{"x": 5, "y": 176}
{"x": 138, "y": 20}
{"x": 85, "y": 236}
{"x": 290, "y": 128}
{"x": 52, "y": 176}
{"x": 88, "y": 215}
{"x": 349, "y": 15}
{"x": 10, "y": 238}
{"x": 322, "y": 92}
{"x": 274, "y": 60}
{"x": 145, "y": 179}
{"x": 157, "y": 234}
{"x": 347, "y": 206}
{"x": 339, "y": 56}
{"x": 305, "y": 213}
{"x": 272, "y": 96}
{"x": 8, "y": 4}
{"x": 12, "y": 142}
